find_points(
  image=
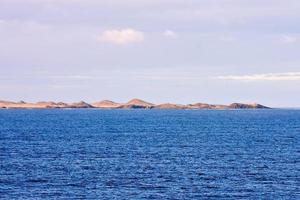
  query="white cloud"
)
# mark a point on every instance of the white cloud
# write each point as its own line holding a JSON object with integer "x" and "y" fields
{"x": 170, "y": 34}
{"x": 121, "y": 37}
{"x": 73, "y": 77}
{"x": 288, "y": 76}
{"x": 289, "y": 39}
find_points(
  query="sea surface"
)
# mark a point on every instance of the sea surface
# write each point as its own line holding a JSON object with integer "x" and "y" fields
{"x": 149, "y": 154}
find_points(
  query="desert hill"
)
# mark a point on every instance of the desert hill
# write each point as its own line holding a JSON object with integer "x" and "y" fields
{"x": 132, "y": 104}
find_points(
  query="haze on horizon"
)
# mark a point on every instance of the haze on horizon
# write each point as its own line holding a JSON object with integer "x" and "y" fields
{"x": 180, "y": 51}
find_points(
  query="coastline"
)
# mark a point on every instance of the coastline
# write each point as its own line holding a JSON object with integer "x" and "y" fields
{"x": 132, "y": 104}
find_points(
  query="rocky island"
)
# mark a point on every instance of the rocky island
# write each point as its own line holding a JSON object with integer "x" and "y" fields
{"x": 132, "y": 104}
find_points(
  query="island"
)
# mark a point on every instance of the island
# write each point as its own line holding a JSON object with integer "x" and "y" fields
{"x": 132, "y": 104}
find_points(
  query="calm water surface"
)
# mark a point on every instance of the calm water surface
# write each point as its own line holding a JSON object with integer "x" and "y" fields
{"x": 149, "y": 154}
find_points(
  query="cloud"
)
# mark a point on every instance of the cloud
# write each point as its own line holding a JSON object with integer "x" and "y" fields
{"x": 289, "y": 39}
{"x": 170, "y": 34}
{"x": 121, "y": 37}
{"x": 73, "y": 77}
{"x": 288, "y": 76}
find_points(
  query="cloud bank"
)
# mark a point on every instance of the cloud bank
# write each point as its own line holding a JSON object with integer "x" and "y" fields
{"x": 289, "y": 39}
{"x": 170, "y": 34}
{"x": 122, "y": 37}
{"x": 288, "y": 76}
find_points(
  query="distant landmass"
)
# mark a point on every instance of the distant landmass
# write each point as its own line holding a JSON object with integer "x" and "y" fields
{"x": 132, "y": 104}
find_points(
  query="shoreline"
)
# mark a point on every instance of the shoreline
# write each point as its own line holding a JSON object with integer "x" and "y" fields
{"x": 132, "y": 104}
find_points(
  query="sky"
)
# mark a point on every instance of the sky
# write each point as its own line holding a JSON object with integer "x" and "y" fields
{"x": 180, "y": 51}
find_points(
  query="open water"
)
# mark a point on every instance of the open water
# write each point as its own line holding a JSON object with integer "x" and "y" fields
{"x": 149, "y": 154}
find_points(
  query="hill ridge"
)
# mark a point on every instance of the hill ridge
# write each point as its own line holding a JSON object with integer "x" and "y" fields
{"x": 132, "y": 104}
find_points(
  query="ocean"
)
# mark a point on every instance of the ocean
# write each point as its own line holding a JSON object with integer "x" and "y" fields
{"x": 149, "y": 154}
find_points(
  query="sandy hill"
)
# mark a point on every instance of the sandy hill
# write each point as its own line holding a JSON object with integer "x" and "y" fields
{"x": 171, "y": 106}
{"x": 106, "y": 104}
{"x": 132, "y": 104}
{"x": 138, "y": 103}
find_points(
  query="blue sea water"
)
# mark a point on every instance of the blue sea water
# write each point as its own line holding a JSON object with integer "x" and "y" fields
{"x": 149, "y": 154}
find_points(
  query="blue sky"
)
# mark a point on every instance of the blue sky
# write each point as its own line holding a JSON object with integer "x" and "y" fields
{"x": 182, "y": 51}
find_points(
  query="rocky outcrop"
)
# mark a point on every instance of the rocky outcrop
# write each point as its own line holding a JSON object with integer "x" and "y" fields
{"x": 6, "y": 104}
{"x": 206, "y": 106}
{"x": 132, "y": 104}
{"x": 20, "y": 104}
{"x": 137, "y": 103}
{"x": 80, "y": 104}
{"x": 246, "y": 106}
{"x": 171, "y": 106}
{"x": 38, "y": 105}
{"x": 61, "y": 105}
{"x": 47, "y": 104}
